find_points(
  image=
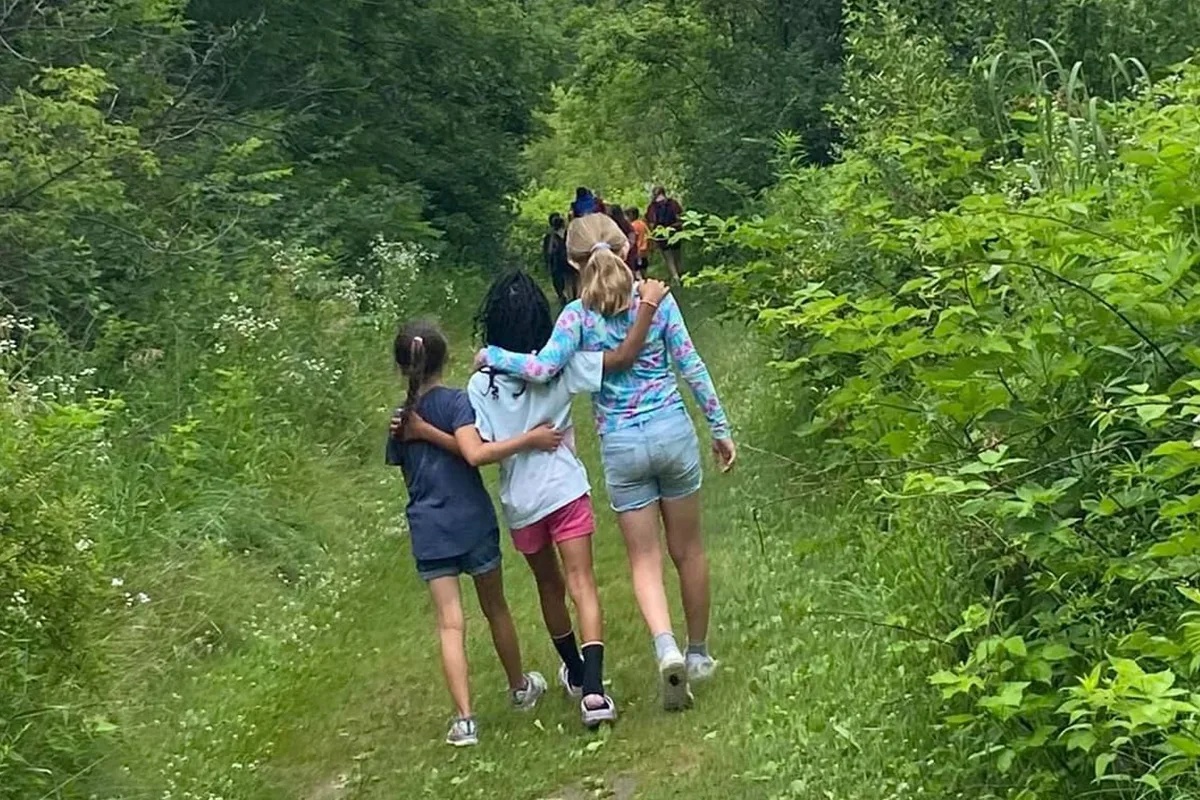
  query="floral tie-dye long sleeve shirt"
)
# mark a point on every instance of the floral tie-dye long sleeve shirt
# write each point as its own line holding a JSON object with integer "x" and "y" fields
{"x": 645, "y": 389}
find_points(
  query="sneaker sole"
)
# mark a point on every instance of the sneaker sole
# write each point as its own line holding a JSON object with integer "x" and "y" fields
{"x": 462, "y": 742}
{"x": 674, "y": 680}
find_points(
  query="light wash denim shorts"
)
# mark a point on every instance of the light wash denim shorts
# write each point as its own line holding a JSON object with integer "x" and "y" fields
{"x": 655, "y": 459}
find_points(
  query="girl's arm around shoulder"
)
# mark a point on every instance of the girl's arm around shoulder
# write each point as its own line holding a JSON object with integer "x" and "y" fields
{"x": 542, "y": 367}
{"x": 469, "y": 445}
{"x": 652, "y": 293}
{"x": 476, "y": 452}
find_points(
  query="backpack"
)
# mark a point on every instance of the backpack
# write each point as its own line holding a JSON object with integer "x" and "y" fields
{"x": 666, "y": 214}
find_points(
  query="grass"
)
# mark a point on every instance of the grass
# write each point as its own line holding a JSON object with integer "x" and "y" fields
{"x": 322, "y": 682}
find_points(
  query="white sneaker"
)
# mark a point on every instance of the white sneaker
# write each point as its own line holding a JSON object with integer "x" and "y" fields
{"x": 526, "y": 698}
{"x": 564, "y": 678}
{"x": 673, "y": 678}
{"x": 593, "y": 717}
{"x": 701, "y": 668}
{"x": 463, "y": 732}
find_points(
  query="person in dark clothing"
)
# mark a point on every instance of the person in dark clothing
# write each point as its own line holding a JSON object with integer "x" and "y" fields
{"x": 554, "y": 253}
{"x": 665, "y": 217}
{"x": 617, "y": 215}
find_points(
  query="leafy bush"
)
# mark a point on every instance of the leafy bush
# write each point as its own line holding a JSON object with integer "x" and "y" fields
{"x": 1007, "y": 322}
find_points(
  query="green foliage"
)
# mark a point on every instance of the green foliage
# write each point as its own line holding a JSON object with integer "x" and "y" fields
{"x": 404, "y": 107}
{"x": 688, "y": 94}
{"x": 1006, "y": 321}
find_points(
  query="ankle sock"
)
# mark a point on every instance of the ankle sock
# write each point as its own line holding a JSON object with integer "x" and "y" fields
{"x": 568, "y": 651}
{"x": 698, "y": 649}
{"x": 593, "y": 668}
{"x": 664, "y": 644}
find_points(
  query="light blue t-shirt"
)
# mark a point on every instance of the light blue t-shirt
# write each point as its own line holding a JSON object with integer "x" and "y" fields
{"x": 534, "y": 483}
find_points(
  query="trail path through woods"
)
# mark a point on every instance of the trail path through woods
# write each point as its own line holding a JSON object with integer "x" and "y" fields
{"x": 805, "y": 704}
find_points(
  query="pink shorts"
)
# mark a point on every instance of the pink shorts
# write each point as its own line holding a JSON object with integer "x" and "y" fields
{"x": 572, "y": 521}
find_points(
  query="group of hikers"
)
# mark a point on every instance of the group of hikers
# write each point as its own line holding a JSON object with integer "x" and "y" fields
{"x": 653, "y": 231}
{"x": 617, "y": 342}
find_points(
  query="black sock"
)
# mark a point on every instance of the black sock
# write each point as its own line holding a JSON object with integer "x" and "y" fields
{"x": 568, "y": 651}
{"x": 593, "y": 668}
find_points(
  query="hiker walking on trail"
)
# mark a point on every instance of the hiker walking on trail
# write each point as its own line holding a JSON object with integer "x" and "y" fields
{"x": 545, "y": 495}
{"x": 648, "y": 443}
{"x": 451, "y": 522}
{"x": 641, "y": 249}
{"x": 554, "y": 254}
{"x": 617, "y": 215}
{"x": 665, "y": 217}
{"x": 583, "y": 204}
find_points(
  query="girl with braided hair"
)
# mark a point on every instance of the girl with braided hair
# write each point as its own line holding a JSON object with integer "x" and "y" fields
{"x": 648, "y": 442}
{"x": 546, "y": 496}
{"x": 451, "y": 522}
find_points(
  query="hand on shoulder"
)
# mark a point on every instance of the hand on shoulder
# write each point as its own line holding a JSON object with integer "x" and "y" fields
{"x": 652, "y": 291}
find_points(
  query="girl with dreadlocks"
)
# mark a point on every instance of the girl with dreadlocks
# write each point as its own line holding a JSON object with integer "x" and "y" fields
{"x": 545, "y": 496}
{"x": 648, "y": 442}
{"x": 451, "y": 521}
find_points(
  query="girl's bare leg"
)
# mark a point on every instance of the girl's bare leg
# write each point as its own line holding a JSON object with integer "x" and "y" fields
{"x": 552, "y": 591}
{"x": 581, "y": 583}
{"x": 452, "y": 633}
{"x": 686, "y": 546}
{"x": 490, "y": 588}
{"x": 640, "y": 529}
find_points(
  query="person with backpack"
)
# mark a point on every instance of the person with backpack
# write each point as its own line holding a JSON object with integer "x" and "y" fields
{"x": 665, "y": 217}
{"x": 554, "y": 253}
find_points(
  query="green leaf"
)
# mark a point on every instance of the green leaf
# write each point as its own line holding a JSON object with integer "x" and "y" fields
{"x": 1081, "y": 739}
{"x": 1172, "y": 448}
{"x": 1149, "y": 412}
{"x": 1103, "y": 761}
{"x": 1057, "y": 651}
{"x": 1015, "y": 645}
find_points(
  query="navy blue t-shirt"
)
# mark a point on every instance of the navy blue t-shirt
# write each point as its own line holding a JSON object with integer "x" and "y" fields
{"x": 449, "y": 511}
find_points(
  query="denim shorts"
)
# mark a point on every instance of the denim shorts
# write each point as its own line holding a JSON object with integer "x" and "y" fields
{"x": 480, "y": 560}
{"x": 655, "y": 459}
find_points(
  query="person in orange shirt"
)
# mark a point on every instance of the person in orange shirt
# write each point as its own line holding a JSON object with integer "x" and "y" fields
{"x": 641, "y": 232}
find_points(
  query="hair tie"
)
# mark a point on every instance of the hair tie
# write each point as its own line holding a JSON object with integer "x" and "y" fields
{"x": 418, "y": 340}
{"x": 601, "y": 246}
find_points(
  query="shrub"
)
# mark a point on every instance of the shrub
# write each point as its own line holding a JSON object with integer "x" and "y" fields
{"x": 1008, "y": 322}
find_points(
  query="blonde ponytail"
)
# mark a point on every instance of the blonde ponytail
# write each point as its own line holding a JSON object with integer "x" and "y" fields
{"x": 595, "y": 246}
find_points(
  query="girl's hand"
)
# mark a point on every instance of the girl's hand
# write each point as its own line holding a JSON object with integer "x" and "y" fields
{"x": 544, "y": 437}
{"x": 726, "y": 452}
{"x": 416, "y": 429}
{"x": 653, "y": 291}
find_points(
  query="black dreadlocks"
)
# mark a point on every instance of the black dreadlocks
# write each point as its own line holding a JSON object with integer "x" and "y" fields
{"x": 514, "y": 315}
